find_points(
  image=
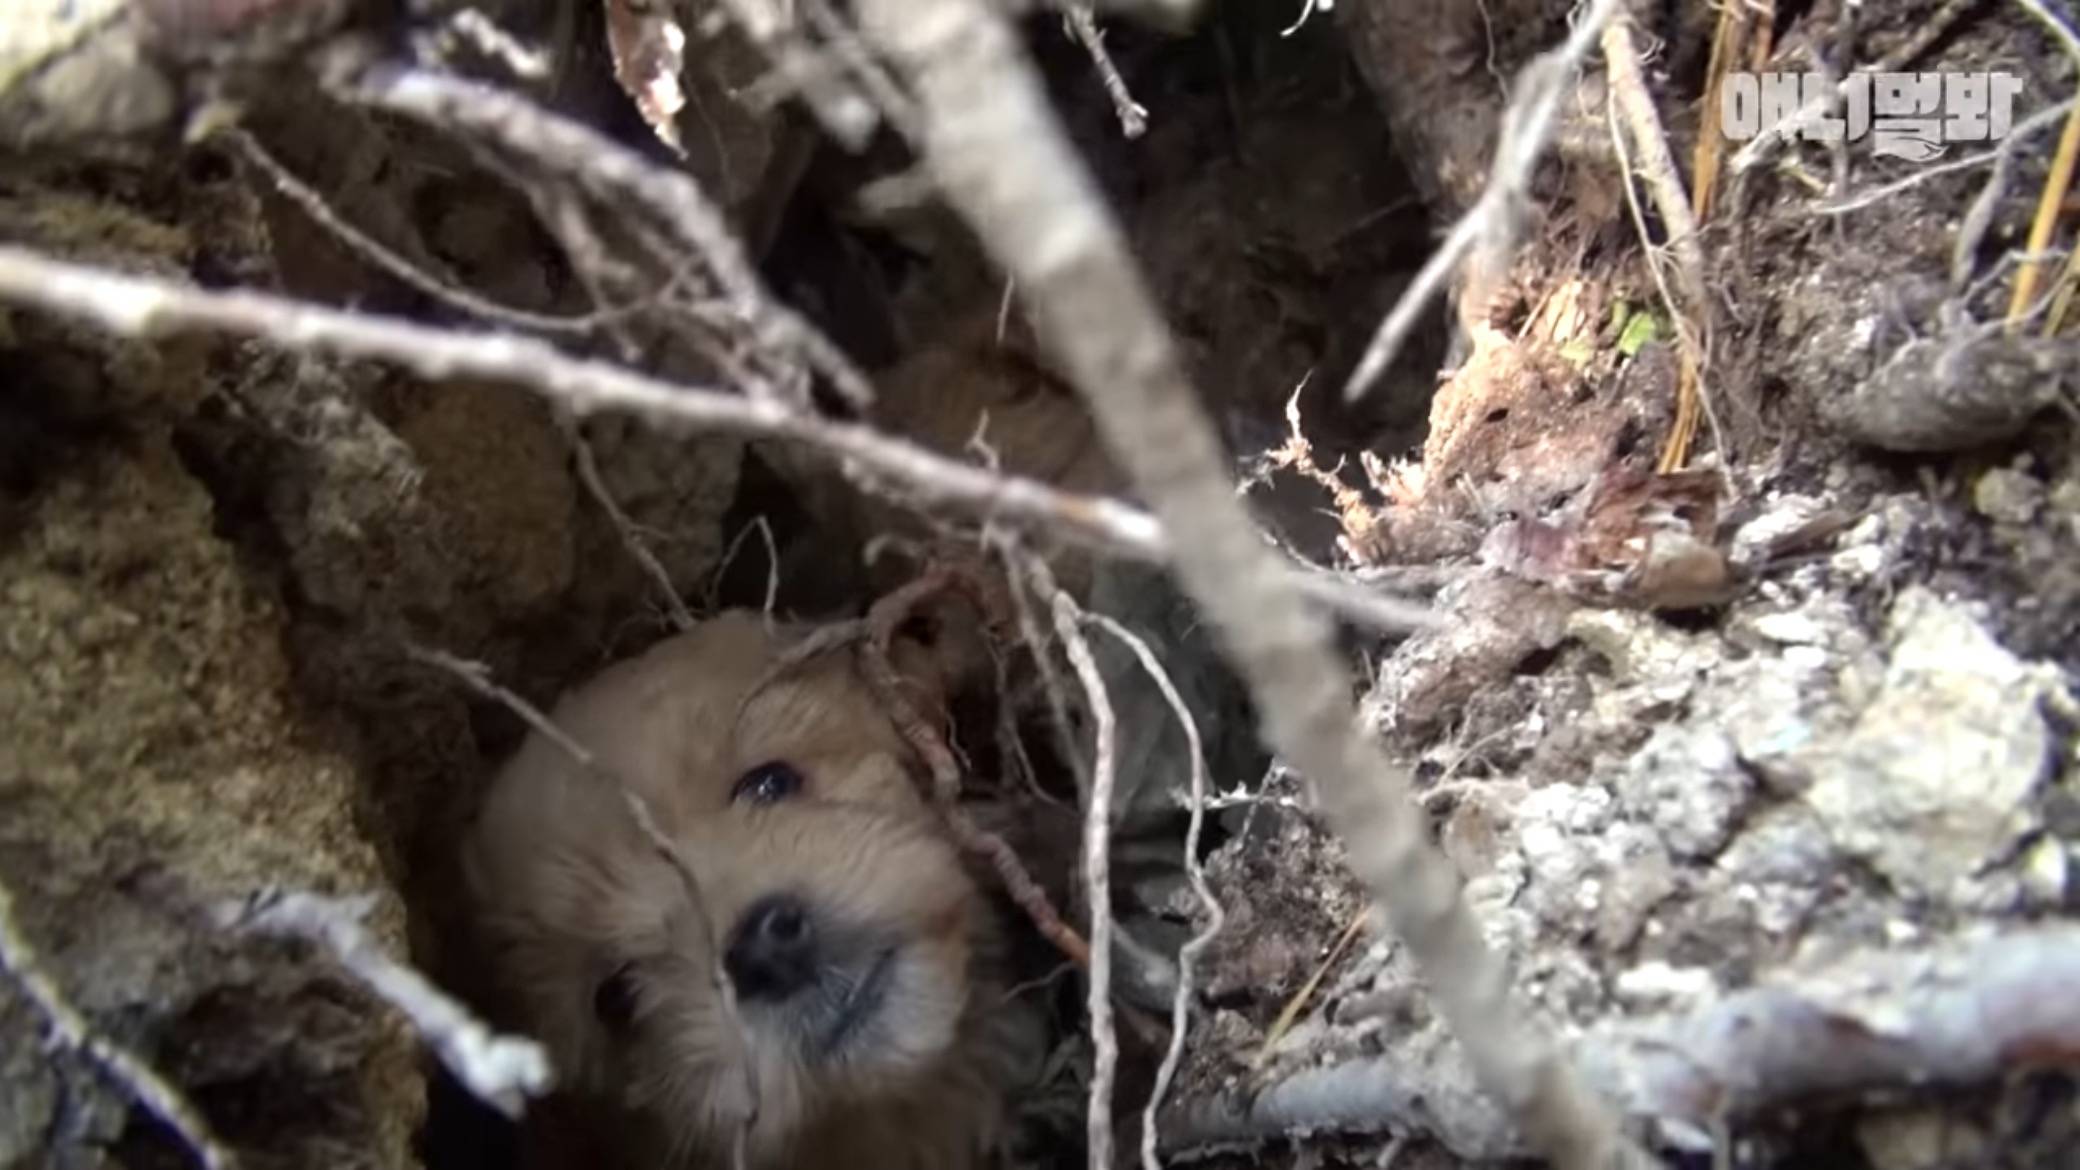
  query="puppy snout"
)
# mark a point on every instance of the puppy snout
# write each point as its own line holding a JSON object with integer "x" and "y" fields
{"x": 772, "y": 950}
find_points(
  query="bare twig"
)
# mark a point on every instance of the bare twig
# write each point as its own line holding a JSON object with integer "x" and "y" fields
{"x": 1011, "y": 746}
{"x": 2056, "y": 183}
{"x": 1709, "y": 155}
{"x": 876, "y": 634}
{"x": 1003, "y": 323}
{"x": 1097, "y": 878}
{"x": 1655, "y": 164}
{"x": 844, "y": 113}
{"x": 138, "y": 306}
{"x": 313, "y": 204}
{"x": 1366, "y": 607}
{"x": 470, "y": 26}
{"x": 842, "y": 42}
{"x": 71, "y": 1030}
{"x": 1353, "y": 513}
{"x": 1491, "y": 223}
{"x": 1083, "y": 25}
{"x": 631, "y": 539}
{"x": 1187, "y": 955}
{"x": 670, "y": 198}
{"x": 502, "y": 1071}
{"x": 1307, "y": 9}
{"x": 1037, "y": 644}
{"x": 1154, "y": 970}
{"x": 1923, "y": 37}
{"x": 764, "y": 528}
{"x": 1978, "y": 218}
{"x": 561, "y": 210}
{"x": 1691, "y": 315}
{"x": 477, "y": 677}
{"x": 1006, "y": 165}
{"x": 1290, "y": 1014}
{"x": 1024, "y": 892}
{"x": 2056, "y": 25}
{"x": 2016, "y": 134}
{"x": 1846, "y": 13}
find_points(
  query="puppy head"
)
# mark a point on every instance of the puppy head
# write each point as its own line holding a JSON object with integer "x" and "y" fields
{"x": 843, "y": 918}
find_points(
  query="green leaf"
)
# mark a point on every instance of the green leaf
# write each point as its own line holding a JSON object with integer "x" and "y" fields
{"x": 1640, "y": 330}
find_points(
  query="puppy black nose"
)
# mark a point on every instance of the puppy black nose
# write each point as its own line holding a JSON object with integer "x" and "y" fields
{"x": 772, "y": 951}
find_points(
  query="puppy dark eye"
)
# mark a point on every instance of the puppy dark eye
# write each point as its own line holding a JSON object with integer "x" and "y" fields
{"x": 769, "y": 783}
{"x": 614, "y": 1000}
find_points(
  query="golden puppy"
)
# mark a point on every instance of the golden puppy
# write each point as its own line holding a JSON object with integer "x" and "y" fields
{"x": 864, "y": 957}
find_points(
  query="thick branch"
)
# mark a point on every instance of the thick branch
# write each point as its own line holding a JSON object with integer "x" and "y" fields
{"x": 1005, "y": 164}
{"x": 502, "y": 1071}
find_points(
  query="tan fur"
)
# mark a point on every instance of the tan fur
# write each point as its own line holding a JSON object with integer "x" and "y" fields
{"x": 968, "y": 384}
{"x": 567, "y": 892}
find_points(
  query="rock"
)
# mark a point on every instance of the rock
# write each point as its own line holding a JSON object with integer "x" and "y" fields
{"x": 1786, "y": 524}
{"x": 1642, "y": 650}
{"x": 676, "y": 489}
{"x": 2046, "y": 873}
{"x": 1878, "y": 543}
{"x": 2008, "y": 496}
{"x": 153, "y": 765}
{"x": 1657, "y": 984}
{"x": 496, "y": 473}
{"x": 345, "y": 493}
{"x": 1939, "y": 776}
{"x": 1790, "y": 629}
{"x": 1492, "y": 624}
{"x": 1479, "y": 837}
{"x": 1589, "y": 873}
{"x": 1782, "y": 698}
{"x": 1952, "y": 394}
{"x": 1778, "y": 868}
{"x": 1288, "y": 896}
{"x": 1689, "y": 783}
{"x": 2065, "y": 503}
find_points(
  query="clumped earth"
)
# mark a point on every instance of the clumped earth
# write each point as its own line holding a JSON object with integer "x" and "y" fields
{"x": 1759, "y": 772}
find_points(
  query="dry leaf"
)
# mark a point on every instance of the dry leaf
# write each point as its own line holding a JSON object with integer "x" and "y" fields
{"x": 1632, "y": 536}
{"x": 649, "y": 51}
